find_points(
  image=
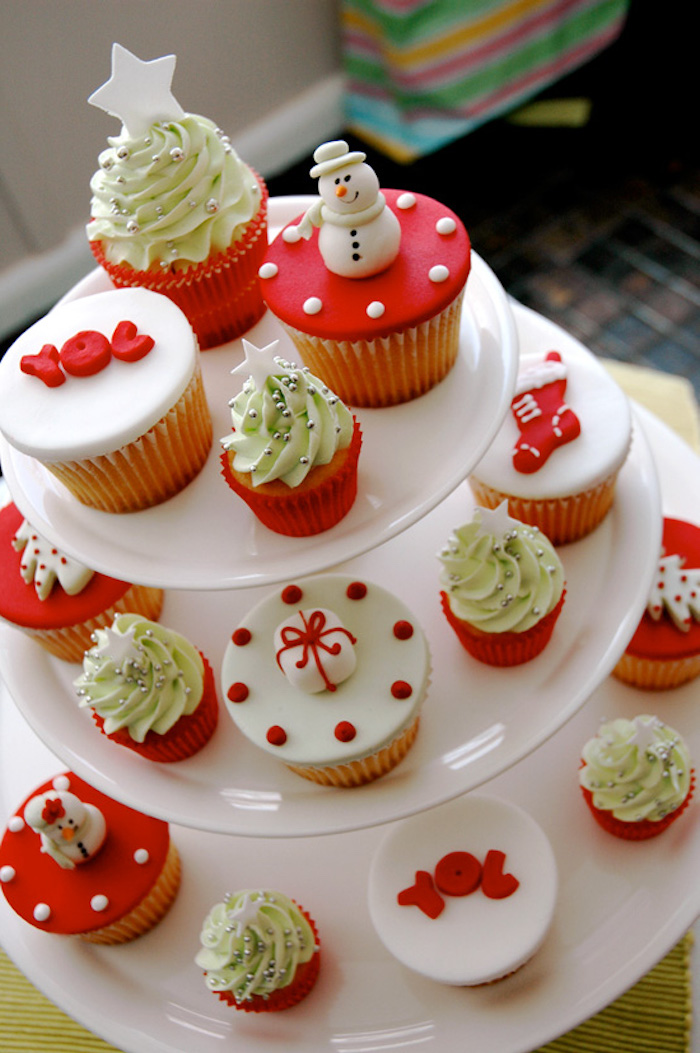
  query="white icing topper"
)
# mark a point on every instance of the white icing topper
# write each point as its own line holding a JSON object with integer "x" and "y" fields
{"x": 359, "y": 235}
{"x": 314, "y": 650}
{"x": 71, "y": 831}
{"x": 138, "y": 92}
{"x": 44, "y": 564}
{"x": 677, "y": 590}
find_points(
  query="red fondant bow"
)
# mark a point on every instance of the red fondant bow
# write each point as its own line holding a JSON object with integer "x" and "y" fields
{"x": 53, "y": 810}
{"x": 310, "y": 640}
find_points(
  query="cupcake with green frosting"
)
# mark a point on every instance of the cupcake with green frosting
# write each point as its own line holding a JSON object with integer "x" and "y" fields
{"x": 149, "y": 689}
{"x": 294, "y": 446}
{"x": 174, "y": 208}
{"x": 259, "y": 951}
{"x": 503, "y": 587}
{"x": 636, "y": 776}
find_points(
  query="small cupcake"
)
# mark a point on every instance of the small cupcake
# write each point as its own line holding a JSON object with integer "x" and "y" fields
{"x": 75, "y": 862}
{"x": 55, "y": 599}
{"x": 636, "y": 777}
{"x": 260, "y": 951}
{"x": 464, "y": 894}
{"x": 557, "y": 456}
{"x": 328, "y": 674}
{"x": 174, "y": 209}
{"x": 293, "y": 452}
{"x": 373, "y": 298}
{"x": 106, "y": 393}
{"x": 149, "y": 689}
{"x": 665, "y": 649}
{"x": 503, "y": 587}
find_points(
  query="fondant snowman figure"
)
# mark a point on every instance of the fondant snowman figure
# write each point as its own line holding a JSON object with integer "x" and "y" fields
{"x": 71, "y": 832}
{"x": 359, "y": 234}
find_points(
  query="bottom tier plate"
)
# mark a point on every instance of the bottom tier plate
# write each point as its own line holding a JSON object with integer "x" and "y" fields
{"x": 621, "y": 907}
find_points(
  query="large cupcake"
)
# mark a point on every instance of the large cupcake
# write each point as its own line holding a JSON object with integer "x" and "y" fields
{"x": 53, "y": 598}
{"x": 636, "y": 777}
{"x": 664, "y": 651}
{"x": 503, "y": 587}
{"x": 174, "y": 209}
{"x": 260, "y": 951}
{"x": 74, "y": 862}
{"x": 106, "y": 393}
{"x": 369, "y": 284}
{"x": 149, "y": 689}
{"x": 292, "y": 454}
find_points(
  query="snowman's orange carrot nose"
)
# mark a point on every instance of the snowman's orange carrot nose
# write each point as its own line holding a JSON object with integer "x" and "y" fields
{"x": 341, "y": 191}
{"x": 67, "y": 833}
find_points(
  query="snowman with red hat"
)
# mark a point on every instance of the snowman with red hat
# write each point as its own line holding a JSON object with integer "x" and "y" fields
{"x": 359, "y": 235}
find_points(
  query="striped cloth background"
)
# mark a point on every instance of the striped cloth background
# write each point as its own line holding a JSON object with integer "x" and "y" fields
{"x": 423, "y": 72}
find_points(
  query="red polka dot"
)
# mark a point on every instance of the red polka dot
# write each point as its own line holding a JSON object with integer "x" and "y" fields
{"x": 241, "y": 637}
{"x": 237, "y": 692}
{"x": 400, "y": 689}
{"x": 356, "y": 590}
{"x": 276, "y": 735}
{"x": 403, "y": 630}
{"x": 345, "y": 731}
{"x": 291, "y": 594}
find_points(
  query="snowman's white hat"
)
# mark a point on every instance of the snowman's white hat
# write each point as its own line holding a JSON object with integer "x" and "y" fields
{"x": 335, "y": 154}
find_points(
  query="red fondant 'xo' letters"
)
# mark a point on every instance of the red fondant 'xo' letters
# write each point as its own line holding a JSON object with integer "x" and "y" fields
{"x": 128, "y": 344}
{"x": 44, "y": 366}
{"x": 459, "y": 874}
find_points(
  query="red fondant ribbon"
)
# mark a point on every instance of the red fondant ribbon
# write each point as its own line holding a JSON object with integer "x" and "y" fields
{"x": 310, "y": 640}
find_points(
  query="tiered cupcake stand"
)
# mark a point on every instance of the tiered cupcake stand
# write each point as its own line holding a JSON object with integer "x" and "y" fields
{"x": 241, "y": 820}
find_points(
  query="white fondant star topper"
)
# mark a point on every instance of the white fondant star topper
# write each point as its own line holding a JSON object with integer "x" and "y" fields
{"x": 496, "y": 521}
{"x": 258, "y": 363}
{"x": 138, "y": 92}
{"x": 120, "y": 647}
{"x": 246, "y": 913}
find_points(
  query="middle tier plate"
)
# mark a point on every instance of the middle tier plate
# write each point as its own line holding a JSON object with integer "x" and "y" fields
{"x": 413, "y": 455}
{"x": 476, "y": 721}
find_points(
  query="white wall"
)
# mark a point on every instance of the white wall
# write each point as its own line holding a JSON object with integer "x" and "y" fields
{"x": 267, "y": 71}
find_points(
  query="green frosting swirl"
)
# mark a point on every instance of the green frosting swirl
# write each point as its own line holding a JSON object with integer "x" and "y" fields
{"x": 253, "y": 943}
{"x": 140, "y": 676}
{"x": 637, "y": 769}
{"x": 286, "y": 427}
{"x": 176, "y": 195}
{"x": 500, "y": 575}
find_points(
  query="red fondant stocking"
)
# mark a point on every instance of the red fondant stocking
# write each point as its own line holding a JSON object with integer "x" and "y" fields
{"x": 544, "y": 419}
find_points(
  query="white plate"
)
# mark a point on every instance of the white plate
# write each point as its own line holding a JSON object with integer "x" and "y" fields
{"x": 621, "y": 907}
{"x": 206, "y": 538}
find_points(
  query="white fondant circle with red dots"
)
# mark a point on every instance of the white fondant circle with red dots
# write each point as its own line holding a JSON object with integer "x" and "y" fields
{"x": 365, "y": 712}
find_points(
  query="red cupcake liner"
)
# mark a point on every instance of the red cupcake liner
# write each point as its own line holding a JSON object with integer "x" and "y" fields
{"x": 642, "y": 830}
{"x": 185, "y": 737}
{"x": 307, "y": 510}
{"x": 284, "y": 997}
{"x": 503, "y": 649}
{"x": 220, "y": 296}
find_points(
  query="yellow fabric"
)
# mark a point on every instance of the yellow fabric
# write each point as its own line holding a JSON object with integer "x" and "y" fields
{"x": 654, "y": 1015}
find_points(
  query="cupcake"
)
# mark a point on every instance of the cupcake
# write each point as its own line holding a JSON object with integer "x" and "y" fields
{"x": 174, "y": 209}
{"x": 106, "y": 393}
{"x": 328, "y": 675}
{"x": 665, "y": 649}
{"x": 292, "y": 455}
{"x": 503, "y": 587}
{"x": 477, "y": 866}
{"x": 149, "y": 689}
{"x": 75, "y": 862}
{"x": 557, "y": 456}
{"x": 369, "y": 284}
{"x": 54, "y": 598}
{"x": 260, "y": 951}
{"x": 636, "y": 777}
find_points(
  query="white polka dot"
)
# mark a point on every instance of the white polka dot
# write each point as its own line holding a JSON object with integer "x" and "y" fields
{"x": 7, "y": 873}
{"x": 313, "y": 305}
{"x": 446, "y": 225}
{"x": 290, "y": 235}
{"x": 375, "y": 309}
{"x": 61, "y": 782}
{"x": 438, "y": 273}
{"x": 268, "y": 270}
{"x": 42, "y": 912}
{"x": 99, "y": 902}
{"x": 141, "y": 855}
{"x": 15, "y": 824}
{"x": 405, "y": 201}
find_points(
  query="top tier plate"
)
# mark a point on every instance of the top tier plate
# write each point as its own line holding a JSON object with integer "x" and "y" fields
{"x": 413, "y": 456}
